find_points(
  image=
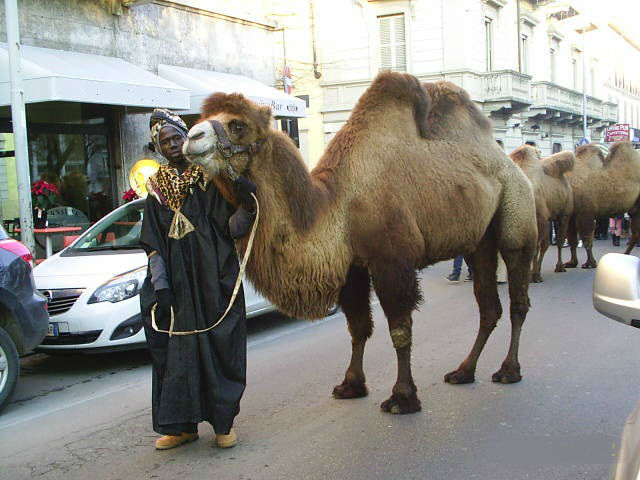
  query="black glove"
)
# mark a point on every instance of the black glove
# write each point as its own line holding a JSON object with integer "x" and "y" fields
{"x": 243, "y": 188}
{"x": 165, "y": 300}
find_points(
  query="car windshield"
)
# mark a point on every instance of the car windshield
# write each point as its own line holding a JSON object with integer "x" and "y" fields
{"x": 118, "y": 231}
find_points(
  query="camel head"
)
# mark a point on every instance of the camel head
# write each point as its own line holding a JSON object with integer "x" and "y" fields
{"x": 230, "y": 132}
{"x": 526, "y": 155}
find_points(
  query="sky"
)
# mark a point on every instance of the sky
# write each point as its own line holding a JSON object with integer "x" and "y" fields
{"x": 623, "y": 13}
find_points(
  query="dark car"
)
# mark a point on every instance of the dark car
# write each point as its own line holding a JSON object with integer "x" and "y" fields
{"x": 23, "y": 311}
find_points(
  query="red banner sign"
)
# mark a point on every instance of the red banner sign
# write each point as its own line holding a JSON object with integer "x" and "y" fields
{"x": 617, "y": 133}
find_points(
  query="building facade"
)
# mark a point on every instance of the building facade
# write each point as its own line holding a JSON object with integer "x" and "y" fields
{"x": 86, "y": 138}
{"x": 525, "y": 63}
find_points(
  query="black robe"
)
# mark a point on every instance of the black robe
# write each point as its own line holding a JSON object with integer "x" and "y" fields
{"x": 202, "y": 376}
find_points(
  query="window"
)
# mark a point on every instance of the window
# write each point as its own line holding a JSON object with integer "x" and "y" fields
{"x": 552, "y": 64}
{"x": 557, "y": 147}
{"x": 393, "y": 54}
{"x": 524, "y": 50}
{"x": 488, "y": 43}
{"x": 574, "y": 69}
{"x": 530, "y": 142}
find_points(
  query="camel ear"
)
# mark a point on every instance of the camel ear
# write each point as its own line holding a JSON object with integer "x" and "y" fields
{"x": 264, "y": 117}
{"x": 518, "y": 155}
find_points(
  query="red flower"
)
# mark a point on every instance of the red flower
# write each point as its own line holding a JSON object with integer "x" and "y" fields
{"x": 129, "y": 195}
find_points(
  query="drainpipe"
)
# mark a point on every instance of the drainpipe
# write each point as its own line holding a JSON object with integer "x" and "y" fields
{"x": 584, "y": 84}
{"x": 519, "y": 39}
{"x": 18, "y": 120}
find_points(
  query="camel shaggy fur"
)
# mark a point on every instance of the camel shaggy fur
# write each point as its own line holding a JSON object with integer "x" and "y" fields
{"x": 414, "y": 177}
{"x": 602, "y": 187}
{"x": 554, "y": 198}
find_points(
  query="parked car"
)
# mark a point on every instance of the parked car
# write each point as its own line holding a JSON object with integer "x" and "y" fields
{"x": 616, "y": 294}
{"x": 92, "y": 287}
{"x": 23, "y": 311}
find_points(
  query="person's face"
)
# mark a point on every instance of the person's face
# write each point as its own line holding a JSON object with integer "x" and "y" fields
{"x": 171, "y": 141}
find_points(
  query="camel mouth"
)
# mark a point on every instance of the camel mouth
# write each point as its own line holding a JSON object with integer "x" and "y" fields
{"x": 201, "y": 148}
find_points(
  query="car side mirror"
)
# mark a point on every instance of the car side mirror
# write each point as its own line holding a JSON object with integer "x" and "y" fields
{"x": 616, "y": 288}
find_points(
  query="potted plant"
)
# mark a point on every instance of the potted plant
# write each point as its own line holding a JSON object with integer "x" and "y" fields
{"x": 130, "y": 195}
{"x": 43, "y": 196}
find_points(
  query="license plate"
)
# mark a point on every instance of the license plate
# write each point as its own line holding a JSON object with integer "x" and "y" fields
{"x": 53, "y": 331}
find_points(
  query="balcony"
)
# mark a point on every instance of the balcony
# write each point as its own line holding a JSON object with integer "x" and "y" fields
{"x": 505, "y": 92}
{"x": 553, "y": 102}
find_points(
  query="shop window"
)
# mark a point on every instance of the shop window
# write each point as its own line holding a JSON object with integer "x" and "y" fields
{"x": 68, "y": 145}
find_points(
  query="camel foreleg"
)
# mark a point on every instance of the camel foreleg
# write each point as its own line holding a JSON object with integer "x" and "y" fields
{"x": 355, "y": 303}
{"x": 541, "y": 249}
{"x": 586, "y": 227}
{"x": 635, "y": 232}
{"x": 399, "y": 294}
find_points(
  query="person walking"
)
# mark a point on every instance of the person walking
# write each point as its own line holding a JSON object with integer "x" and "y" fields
{"x": 615, "y": 228}
{"x": 192, "y": 271}
{"x": 454, "y": 276}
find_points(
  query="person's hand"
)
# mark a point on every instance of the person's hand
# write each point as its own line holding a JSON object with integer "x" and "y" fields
{"x": 165, "y": 300}
{"x": 243, "y": 188}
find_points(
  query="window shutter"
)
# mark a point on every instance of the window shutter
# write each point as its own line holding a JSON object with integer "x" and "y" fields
{"x": 392, "y": 43}
{"x": 385, "y": 43}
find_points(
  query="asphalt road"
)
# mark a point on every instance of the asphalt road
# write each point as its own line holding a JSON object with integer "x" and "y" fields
{"x": 88, "y": 417}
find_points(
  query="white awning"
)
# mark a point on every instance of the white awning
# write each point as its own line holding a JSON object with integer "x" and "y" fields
{"x": 58, "y": 75}
{"x": 203, "y": 83}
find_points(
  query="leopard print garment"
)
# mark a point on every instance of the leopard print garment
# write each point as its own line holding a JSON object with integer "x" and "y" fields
{"x": 174, "y": 188}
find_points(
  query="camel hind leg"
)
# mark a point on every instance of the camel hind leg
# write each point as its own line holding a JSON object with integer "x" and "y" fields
{"x": 355, "y": 303}
{"x": 517, "y": 261}
{"x": 396, "y": 285}
{"x": 484, "y": 262}
{"x": 586, "y": 226}
{"x": 541, "y": 249}
{"x": 561, "y": 234}
{"x": 572, "y": 238}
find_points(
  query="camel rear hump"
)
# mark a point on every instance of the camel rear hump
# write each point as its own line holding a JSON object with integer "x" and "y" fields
{"x": 559, "y": 164}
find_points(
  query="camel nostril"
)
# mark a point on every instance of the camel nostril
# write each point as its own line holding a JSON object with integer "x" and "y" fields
{"x": 197, "y": 136}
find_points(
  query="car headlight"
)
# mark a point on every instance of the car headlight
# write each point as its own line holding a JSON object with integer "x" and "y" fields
{"x": 120, "y": 287}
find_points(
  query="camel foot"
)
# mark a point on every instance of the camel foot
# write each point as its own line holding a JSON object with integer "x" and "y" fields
{"x": 535, "y": 278}
{"x": 571, "y": 264}
{"x": 507, "y": 375}
{"x": 400, "y": 405}
{"x": 590, "y": 264}
{"x": 560, "y": 268}
{"x": 350, "y": 390}
{"x": 460, "y": 376}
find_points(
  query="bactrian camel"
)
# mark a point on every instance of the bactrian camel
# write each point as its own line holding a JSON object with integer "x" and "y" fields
{"x": 414, "y": 177}
{"x": 554, "y": 198}
{"x": 602, "y": 187}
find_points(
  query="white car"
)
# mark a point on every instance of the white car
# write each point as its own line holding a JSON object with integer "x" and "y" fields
{"x": 92, "y": 287}
{"x": 616, "y": 294}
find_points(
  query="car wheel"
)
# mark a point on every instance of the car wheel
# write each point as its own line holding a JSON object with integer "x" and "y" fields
{"x": 9, "y": 367}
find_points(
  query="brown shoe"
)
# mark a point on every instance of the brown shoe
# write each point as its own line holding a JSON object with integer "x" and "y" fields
{"x": 172, "y": 441}
{"x": 226, "y": 441}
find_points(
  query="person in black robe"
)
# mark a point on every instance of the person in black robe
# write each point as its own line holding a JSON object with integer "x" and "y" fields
{"x": 193, "y": 268}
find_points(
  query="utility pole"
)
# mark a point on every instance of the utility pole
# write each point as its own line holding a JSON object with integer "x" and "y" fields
{"x": 584, "y": 83}
{"x": 18, "y": 119}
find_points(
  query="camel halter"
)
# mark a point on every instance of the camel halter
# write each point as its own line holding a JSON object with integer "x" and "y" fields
{"x": 236, "y": 288}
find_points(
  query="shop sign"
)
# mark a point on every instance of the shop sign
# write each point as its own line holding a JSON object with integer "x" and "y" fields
{"x": 617, "y": 133}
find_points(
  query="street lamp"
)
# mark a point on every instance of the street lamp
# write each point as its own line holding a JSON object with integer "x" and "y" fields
{"x": 583, "y": 31}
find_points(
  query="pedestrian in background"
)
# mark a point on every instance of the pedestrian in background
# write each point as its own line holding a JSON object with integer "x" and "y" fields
{"x": 454, "y": 277}
{"x": 193, "y": 268}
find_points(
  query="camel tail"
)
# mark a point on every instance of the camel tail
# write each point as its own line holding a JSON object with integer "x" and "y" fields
{"x": 559, "y": 164}
{"x": 404, "y": 87}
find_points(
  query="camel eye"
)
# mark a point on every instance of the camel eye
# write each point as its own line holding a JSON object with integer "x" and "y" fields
{"x": 237, "y": 128}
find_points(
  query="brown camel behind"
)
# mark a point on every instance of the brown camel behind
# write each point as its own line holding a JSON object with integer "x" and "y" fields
{"x": 554, "y": 198}
{"x": 602, "y": 187}
{"x": 414, "y": 177}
